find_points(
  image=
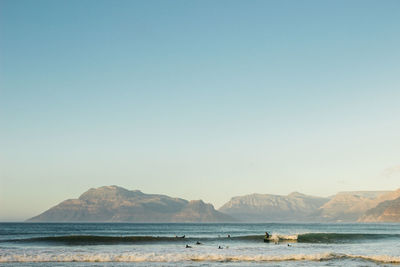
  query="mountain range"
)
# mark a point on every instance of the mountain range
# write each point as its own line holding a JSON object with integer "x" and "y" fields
{"x": 264, "y": 208}
{"x": 386, "y": 211}
{"x": 116, "y": 204}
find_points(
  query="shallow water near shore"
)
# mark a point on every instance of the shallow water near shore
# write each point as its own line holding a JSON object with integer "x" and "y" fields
{"x": 127, "y": 244}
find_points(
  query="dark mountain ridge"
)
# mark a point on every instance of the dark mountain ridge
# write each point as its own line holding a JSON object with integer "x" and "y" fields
{"x": 117, "y": 204}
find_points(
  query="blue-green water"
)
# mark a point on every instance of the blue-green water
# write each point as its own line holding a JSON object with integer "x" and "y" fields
{"x": 123, "y": 244}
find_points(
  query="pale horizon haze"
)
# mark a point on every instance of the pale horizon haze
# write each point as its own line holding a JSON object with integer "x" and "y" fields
{"x": 196, "y": 99}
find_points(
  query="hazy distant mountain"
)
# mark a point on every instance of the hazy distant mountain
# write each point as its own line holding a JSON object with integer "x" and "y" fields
{"x": 350, "y": 206}
{"x": 116, "y": 204}
{"x": 269, "y": 208}
{"x": 386, "y": 211}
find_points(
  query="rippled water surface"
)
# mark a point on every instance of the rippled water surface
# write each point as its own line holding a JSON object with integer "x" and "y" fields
{"x": 120, "y": 244}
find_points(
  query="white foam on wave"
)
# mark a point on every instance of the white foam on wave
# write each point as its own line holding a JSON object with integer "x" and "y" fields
{"x": 277, "y": 237}
{"x": 176, "y": 257}
{"x": 380, "y": 258}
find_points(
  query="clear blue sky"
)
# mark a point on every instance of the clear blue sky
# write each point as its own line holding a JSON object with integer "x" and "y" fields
{"x": 196, "y": 99}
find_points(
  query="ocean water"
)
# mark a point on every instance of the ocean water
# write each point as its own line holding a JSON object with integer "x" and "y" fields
{"x": 129, "y": 244}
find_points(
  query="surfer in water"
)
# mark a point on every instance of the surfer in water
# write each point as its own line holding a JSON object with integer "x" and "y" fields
{"x": 266, "y": 237}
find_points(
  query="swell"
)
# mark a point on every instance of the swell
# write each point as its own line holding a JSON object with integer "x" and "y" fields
{"x": 180, "y": 257}
{"x": 110, "y": 240}
{"x": 342, "y": 237}
{"x": 101, "y": 240}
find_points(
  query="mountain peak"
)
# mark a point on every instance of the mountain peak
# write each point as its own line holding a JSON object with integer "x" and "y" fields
{"x": 117, "y": 204}
{"x": 296, "y": 194}
{"x": 200, "y": 204}
{"x": 108, "y": 193}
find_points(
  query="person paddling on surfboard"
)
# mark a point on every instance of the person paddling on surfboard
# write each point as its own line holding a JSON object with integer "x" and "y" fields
{"x": 266, "y": 237}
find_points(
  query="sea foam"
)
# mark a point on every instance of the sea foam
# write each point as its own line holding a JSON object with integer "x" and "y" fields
{"x": 182, "y": 257}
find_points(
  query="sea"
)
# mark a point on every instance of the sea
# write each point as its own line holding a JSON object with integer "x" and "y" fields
{"x": 191, "y": 244}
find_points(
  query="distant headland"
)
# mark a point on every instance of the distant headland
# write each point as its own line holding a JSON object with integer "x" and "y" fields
{"x": 117, "y": 204}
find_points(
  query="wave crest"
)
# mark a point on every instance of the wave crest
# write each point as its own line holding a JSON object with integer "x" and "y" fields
{"x": 110, "y": 240}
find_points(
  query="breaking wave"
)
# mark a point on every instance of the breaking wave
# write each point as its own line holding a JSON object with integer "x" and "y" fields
{"x": 154, "y": 257}
{"x": 104, "y": 240}
{"x": 110, "y": 240}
